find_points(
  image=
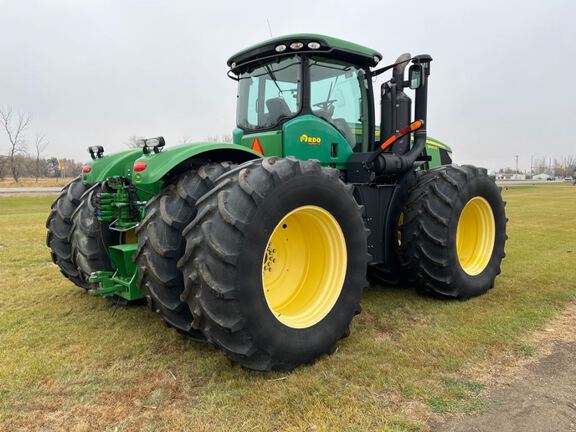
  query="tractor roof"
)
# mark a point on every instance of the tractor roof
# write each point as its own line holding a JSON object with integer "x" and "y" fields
{"x": 326, "y": 45}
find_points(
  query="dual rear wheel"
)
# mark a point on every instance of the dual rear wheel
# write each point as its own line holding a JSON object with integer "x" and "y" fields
{"x": 453, "y": 232}
{"x": 275, "y": 263}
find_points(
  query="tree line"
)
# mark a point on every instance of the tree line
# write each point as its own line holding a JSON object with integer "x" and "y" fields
{"x": 26, "y": 165}
{"x": 564, "y": 166}
{"x": 25, "y": 156}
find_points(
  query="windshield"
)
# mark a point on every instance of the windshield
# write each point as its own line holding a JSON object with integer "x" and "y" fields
{"x": 269, "y": 94}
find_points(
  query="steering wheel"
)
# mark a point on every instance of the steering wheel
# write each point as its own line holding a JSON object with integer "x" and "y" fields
{"x": 325, "y": 104}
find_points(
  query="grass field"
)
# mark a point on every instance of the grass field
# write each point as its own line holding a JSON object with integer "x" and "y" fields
{"x": 72, "y": 362}
{"x": 31, "y": 182}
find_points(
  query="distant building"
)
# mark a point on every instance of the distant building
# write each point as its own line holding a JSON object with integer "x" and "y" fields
{"x": 510, "y": 176}
{"x": 542, "y": 177}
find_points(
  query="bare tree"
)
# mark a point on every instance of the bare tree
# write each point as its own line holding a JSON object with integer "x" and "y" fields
{"x": 185, "y": 139}
{"x": 3, "y": 165}
{"x": 212, "y": 139}
{"x": 540, "y": 166}
{"x": 225, "y": 138}
{"x": 15, "y": 128}
{"x": 40, "y": 144}
{"x": 569, "y": 164}
{"x": 134, "y": 141}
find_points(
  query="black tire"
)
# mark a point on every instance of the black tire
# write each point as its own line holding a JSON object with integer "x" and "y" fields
{"x": 225, "y": 248}
{"x": 161, "y": 245}
{"x": 429, "y": 251}
{"x": 59, "y": 226}
{"x": 90, "y": 238}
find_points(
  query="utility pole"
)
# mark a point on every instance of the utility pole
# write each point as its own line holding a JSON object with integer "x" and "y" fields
{"x": 516, "y": 156}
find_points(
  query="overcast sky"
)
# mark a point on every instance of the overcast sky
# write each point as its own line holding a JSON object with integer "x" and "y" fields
{"x": 96, "y": 72}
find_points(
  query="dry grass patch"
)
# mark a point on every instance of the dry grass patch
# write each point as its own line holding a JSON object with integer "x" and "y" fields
{"x": 32, "y": 182}
{"x": 72, "y": 362}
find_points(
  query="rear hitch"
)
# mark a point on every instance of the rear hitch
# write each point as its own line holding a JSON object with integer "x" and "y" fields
{"x": 102, "y": 284}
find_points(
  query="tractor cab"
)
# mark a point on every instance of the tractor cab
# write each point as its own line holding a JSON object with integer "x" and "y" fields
{"x": 311, "y": 96}
{"x": 306, "y": 92}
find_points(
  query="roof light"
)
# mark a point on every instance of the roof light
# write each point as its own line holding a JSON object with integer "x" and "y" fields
{"x": 313, "y": 45}
{"x": 233, "y": 65}
{"x": 296, "y": 45}
{"x": 280, "y": 48}
{"x": 376, "y": 59}
{"x": 140, "y": 166}
{"x": 86, "y": 169}
{"x": 96, "y": 152}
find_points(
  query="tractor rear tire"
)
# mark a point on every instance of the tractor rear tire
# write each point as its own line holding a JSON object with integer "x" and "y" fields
{"x": 90, "y": 238}
{"x": 454, "y": 232}
{"x": 161, "y": 245}
{"x": 275, "y": 263}
{"x": 59, "y": 225}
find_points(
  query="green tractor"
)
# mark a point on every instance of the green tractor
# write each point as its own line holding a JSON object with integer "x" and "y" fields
{"x": 263, "y": 246}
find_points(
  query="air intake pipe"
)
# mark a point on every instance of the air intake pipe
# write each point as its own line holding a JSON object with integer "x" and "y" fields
{"x": 395, "y": 164}
{"x": 396, "y": 106}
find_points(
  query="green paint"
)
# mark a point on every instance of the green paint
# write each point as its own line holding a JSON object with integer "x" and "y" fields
{"x": 118, "y": 202}
{"x": 121, "y": 256}
{"x": 122, "y": 207}
{"x": 159, "y": 164}
{"x": 434, "y": 153}
{"x": 116, "y": 164}
{"x": 431, "y": 142}
{"x": 237, "y": 134}
{"x": 333, "y": 42}
{"x": 271, "y": 142}
{"x": 310, "y": 137}
{"x": 124, "y": 281}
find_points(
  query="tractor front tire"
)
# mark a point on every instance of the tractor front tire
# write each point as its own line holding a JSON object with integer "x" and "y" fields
{"x": 161, "y": 245}
{"x": 275, "y": 263}
{"x": 454, "y": 232}
{"x": 59, "y": 226}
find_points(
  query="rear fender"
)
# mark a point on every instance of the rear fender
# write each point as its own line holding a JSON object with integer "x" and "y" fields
{"x": 116, "y": 164}
{"x": 175, "y": 160}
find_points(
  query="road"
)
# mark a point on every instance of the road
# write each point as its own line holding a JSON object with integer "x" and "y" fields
{"x": 541, "y": 397}
{"x": 30, "y": 190}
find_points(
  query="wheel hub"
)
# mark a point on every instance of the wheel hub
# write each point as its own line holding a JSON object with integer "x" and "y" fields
{"x": 304, "y": 266}
{"x": 475, "y": 236}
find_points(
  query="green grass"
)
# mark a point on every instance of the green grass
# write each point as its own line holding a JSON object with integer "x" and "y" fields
{"x": 72, "y": 362}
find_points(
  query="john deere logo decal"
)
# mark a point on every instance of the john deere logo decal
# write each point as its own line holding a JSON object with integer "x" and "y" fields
{"x": 310, "y": 140}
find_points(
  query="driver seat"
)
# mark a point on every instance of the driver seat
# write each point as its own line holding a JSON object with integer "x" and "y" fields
{"x": 277, "y": 108}
{"x": 344, "y": 128}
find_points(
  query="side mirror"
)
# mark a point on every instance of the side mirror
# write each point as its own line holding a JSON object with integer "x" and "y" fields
{"x": 415, "y": 76}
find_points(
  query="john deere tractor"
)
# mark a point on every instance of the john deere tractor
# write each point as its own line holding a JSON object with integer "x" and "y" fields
{"x": 263, "y": 246}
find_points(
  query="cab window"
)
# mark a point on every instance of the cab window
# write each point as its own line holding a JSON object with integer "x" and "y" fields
{"x": 269, "y": 94}
{"x": 338, "y": 94}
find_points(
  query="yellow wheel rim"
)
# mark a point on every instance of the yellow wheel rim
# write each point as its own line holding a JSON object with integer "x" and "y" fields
{"x": 475, "y": 236}
{"x": 304, "y": 266}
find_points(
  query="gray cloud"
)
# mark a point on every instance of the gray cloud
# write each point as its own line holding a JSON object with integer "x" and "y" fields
{"x": 96, "y": 72}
